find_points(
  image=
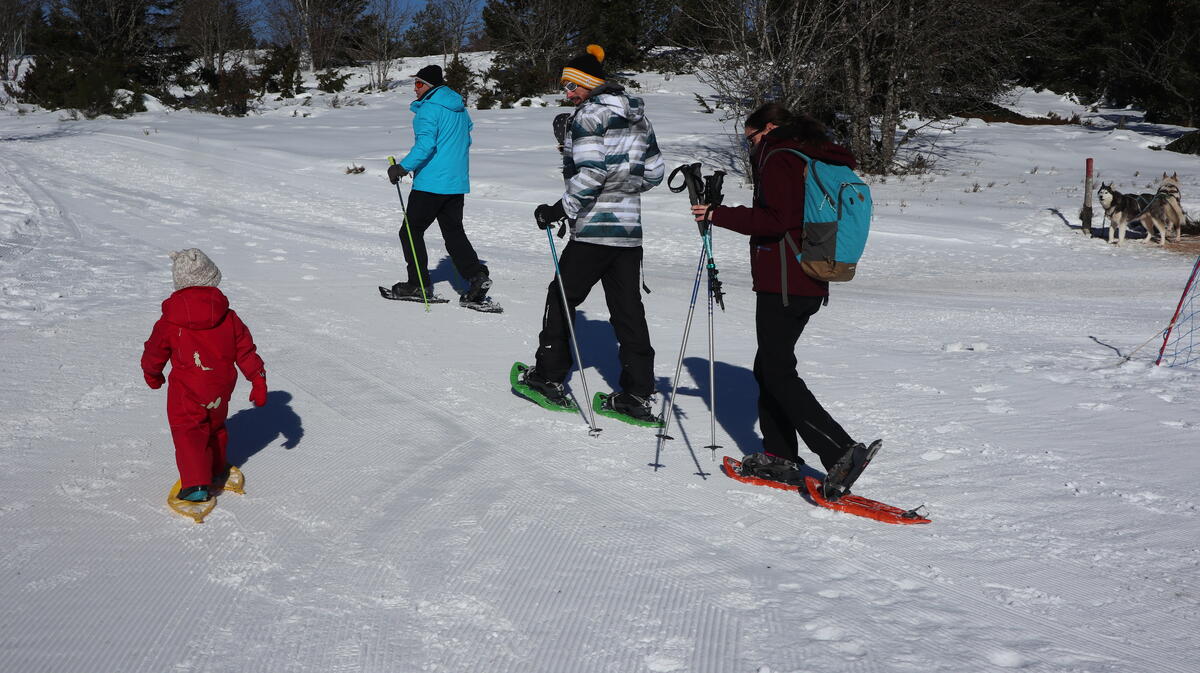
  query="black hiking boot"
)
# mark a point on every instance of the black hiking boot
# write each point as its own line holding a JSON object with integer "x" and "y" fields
{"x": 773, "y": 468}
{"x": 632, "y": 405}
{"x": 554, "y": 393}
{"x": 845, "y": 472}
{"x": 477, "y": 292}
{"x": 405, "y": 289}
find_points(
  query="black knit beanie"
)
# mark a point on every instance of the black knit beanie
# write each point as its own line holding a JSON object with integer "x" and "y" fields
{"x": 586, "y": 70}
{"x": 431, "y": 75}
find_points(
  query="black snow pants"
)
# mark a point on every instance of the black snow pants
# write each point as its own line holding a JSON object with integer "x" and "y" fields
{"x": 619, "y": 272}
{"x": 786, "y": 407}
{"x": 447, "y": 209}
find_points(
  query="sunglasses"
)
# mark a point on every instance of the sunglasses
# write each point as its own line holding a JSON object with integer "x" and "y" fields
{"x": 748, "y": 141}
{"x": 569, "y": 86}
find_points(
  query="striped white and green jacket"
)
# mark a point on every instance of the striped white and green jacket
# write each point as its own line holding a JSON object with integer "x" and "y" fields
{"x": 609, "y": 158}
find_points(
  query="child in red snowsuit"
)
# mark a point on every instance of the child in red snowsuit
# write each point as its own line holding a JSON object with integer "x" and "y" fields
{"x": 203, "y": 338}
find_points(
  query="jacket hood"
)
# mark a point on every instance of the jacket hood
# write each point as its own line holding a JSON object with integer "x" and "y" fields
{"x": 442, "y": 96}
{"x": 613, "y": 97}
{"x": 196, "y": 307}
{"x": 829, "y": 152}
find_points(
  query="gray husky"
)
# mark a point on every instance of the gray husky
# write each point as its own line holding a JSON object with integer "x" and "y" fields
{"x": 1165, "y": 212}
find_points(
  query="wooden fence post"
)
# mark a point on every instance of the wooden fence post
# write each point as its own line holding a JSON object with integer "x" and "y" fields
{"x": 1085, "y": 214}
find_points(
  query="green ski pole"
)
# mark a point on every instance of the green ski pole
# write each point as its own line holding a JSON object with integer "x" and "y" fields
{"x": 411, "y": 246}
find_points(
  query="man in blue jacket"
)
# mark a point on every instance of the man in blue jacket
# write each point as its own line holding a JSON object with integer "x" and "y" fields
{"x": 440, "y": 167}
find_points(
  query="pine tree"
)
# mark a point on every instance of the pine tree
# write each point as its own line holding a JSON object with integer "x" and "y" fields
{"x": 532, "y": 40}
{"x": 627, "y": 29}
{"x": 87, "y": 50}
{"x": 460, "y": 77}
{"x": 1144, "y": 53}
{"x": 427, "y": 34}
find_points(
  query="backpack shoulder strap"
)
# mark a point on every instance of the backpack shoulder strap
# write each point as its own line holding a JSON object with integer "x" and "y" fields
{"x": 816, "y": 178}
{"x": 787, "y": 237}
{"x": 802, "y": 155}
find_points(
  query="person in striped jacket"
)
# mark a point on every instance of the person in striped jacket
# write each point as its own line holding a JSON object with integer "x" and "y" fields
{"x": 610, "y": 156}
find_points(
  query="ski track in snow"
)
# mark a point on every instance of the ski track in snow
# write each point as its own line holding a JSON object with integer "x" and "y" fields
{"x": 421, "y": 517}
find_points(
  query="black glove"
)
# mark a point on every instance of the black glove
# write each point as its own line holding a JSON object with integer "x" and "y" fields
{"x": 395, "y": 172}
{"x": 561, "y": 122}
{"x": 546, "y": 215}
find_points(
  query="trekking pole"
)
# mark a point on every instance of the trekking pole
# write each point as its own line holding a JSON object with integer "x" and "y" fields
{"x": 411, "y": 246}
{"x": 700, "y": 189}
{"x": 592, "y": 429}
{"x": 687, "y": 327}
{"x": 714, "y": 294}
{"x": 692, "y": 179}
{"x": 712, "y": 197}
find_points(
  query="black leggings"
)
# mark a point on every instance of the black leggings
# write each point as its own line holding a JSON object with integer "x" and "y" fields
{"x": 447, "y": 209}
{"x": 786, "y": 407}
{"x": 618, "y": 270}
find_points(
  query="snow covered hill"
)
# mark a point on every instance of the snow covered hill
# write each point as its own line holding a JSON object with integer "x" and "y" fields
{"x": 407, "y": 512}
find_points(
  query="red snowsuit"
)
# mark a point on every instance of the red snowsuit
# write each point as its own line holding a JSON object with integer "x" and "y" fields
{"x": 203, "y": 338}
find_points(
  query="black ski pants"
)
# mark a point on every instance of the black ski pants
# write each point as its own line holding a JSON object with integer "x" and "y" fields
{"x": 447, "y": 209}
{"x": 786, "y": 407}
{"x": 618, "y": 270}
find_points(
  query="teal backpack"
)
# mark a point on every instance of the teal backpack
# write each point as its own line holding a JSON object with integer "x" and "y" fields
{"x": 837, "y": 219}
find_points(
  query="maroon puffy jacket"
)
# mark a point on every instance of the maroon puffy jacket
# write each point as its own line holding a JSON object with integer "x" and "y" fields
{"x": 778, "y": 208}
{"x": 203, "y": 338}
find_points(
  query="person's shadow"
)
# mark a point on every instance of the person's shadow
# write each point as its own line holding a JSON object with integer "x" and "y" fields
{"x": 737, "y": 406}
{"x": 599, "y": 344}
{"x": 737, "y": 402}
{"x": 254, "y": 429}
{"x": 445, "y": 271}
{"x": 737, "y": 391}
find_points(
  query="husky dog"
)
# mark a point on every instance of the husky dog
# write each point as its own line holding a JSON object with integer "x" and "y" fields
{"x": 1120, "y": 209}
{"x": 1165, "y": 212}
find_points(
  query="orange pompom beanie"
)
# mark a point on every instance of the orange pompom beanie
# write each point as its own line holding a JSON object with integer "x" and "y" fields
{"x": 586, "y": 70}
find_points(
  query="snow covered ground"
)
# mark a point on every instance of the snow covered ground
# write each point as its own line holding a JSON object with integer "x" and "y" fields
{"x": 407, "y": 512}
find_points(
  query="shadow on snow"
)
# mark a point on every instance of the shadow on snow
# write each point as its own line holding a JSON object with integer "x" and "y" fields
{"x": 254, "y": 429}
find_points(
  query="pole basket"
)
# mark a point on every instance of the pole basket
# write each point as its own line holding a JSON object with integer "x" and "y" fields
{"x": 1181, "y": 339}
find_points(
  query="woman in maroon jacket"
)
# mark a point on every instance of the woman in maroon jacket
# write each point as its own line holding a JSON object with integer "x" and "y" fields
{"x": 786, "y": 407}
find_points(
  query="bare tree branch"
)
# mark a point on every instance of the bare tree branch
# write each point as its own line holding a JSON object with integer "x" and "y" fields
{"x": 379, "y": 43}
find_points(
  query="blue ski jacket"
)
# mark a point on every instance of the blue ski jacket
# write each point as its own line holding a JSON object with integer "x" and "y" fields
{"x": 439, "y": 158}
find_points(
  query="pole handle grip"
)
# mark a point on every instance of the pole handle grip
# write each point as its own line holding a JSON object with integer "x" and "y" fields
{"x": 391, "y": 161}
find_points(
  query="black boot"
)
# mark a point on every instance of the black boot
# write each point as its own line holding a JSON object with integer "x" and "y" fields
{"x": 478, "y": 289}
{"x": 404, "y": 289}
{"x": 631, "y": 405}
{"x": 554, "y": 393}
{"x": 846, "y": 471}
{"x": 773, "y": 468}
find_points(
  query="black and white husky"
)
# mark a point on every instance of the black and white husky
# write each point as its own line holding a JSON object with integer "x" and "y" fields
{"x": 1121, "y": 209}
